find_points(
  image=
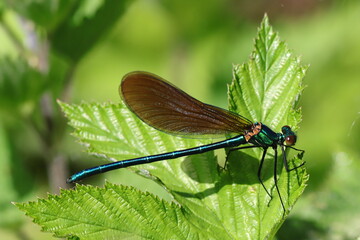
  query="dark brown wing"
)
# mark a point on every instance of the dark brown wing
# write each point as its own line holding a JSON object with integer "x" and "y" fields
{"x": 167, "y": 108}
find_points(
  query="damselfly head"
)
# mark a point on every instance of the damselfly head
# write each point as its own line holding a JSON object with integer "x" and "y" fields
{"x": 289, "y": 135}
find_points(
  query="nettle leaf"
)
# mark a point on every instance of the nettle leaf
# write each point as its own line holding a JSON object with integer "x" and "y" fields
{"x": 211, "y": 203}
{"x": 266, "y": 89}
{"x": 113, "y": 212}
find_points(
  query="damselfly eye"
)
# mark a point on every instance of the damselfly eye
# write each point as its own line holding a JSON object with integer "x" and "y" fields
{"x": 290, "y": 140}
{"x": 290, "y": 137}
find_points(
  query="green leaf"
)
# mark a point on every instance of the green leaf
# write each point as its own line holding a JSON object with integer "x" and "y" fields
{"x": 73, "y": 27}
{"x": 44, "y": 13}
{"x": 73, "y": 37}
{"x": 113, "y": 212}
{"x": 20, "y": 86}
{"x": 266, "y": 89}
{"x": 212, "y": 203}
{"x": 8, "y": 190}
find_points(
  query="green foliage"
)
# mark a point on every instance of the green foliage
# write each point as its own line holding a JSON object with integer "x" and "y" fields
{"x": 209, "y": 202}
{"x": 85, "y": 33}
{"x": 105, "y": 210}
{"x": 20, "y": 85}
{"x": 9, "y": 216}
{"x": 45, "y": 13}
{"x": 268, "y": 86}
{"x": 193, "y": 47}
{"x": 337, "y": 199}
{"x": 42, "y": 43}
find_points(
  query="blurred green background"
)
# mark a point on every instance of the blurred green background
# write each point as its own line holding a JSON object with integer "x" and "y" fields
{"x": 79, "y": 50}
